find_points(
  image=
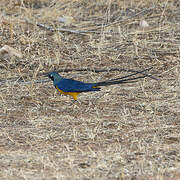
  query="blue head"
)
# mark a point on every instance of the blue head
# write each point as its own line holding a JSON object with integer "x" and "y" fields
{"x": 55, "y": 77}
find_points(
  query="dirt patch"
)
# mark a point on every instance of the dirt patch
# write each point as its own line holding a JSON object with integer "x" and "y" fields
{"x": 122, "y": 132}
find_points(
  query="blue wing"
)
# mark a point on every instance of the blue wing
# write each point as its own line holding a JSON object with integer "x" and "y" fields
{"x": 70, "y": 85}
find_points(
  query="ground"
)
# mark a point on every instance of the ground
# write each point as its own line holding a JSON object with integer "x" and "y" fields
{"x": 129, "y": 131}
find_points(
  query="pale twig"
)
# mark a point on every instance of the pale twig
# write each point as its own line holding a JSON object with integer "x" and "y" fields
{"x": 22, "y": 79}
{"x": 84, "y": 32}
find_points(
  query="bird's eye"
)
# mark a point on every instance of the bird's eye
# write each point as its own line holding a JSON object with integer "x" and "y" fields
{"x": 51, "y": 77}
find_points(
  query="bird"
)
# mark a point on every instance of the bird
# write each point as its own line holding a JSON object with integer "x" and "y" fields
{"x": 73, "y": 87}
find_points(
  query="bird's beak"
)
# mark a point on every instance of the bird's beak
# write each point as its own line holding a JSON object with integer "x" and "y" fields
{"x": 46, "y": 75}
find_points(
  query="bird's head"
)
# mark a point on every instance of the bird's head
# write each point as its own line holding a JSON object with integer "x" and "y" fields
{"x": 55, "y": 77}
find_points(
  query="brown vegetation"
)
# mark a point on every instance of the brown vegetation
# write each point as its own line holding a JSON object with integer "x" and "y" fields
{"x": 122, "y": 132}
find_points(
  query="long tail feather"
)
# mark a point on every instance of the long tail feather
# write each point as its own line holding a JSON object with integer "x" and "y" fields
{"x": 124, "y": 79}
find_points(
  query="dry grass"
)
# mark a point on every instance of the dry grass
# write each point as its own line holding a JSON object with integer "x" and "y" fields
{"x": 123, "y": 132}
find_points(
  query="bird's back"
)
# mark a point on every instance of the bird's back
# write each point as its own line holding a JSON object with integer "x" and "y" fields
{"x": 70, "y": 85}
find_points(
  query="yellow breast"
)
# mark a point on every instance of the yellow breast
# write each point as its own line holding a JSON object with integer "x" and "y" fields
{"x": 73, "y": 94}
